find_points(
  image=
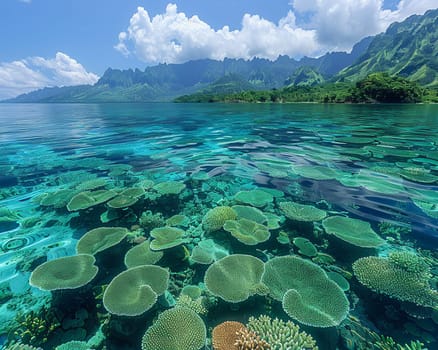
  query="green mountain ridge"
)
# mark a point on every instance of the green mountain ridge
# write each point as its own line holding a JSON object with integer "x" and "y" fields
{"x": 408, "y": 49}
{"x": 167, "y": 81}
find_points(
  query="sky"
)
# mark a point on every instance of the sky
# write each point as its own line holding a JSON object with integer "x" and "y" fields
{"x": 70, "y": 42}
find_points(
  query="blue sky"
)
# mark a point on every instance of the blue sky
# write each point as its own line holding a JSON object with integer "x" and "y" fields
{"x": 68, "y": 42}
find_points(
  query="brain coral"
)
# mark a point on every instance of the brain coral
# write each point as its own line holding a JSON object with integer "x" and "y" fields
{"x": 306, "y": 292}
{"x": 386, "y": 277}
{"x": 134, "y": 291}
{"x": 216, "y": 217}
{"x": 247, "y": 231}
{"x": 281, "y": 335}
{"x": 176, "y": 329}
{"x": 64, "y": 273}
{"x": 353, "y": 231}
{"x": 224, "y": 335}
{"x": 99, "y": 239}
{"x": 235, "y": 278}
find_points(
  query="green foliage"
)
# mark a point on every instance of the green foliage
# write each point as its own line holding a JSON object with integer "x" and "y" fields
{"x": 377, "y": 87}
{"x": 382, "y": 87}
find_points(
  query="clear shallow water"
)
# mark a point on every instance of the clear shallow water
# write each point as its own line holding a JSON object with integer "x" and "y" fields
{"x": 373, "y": 163}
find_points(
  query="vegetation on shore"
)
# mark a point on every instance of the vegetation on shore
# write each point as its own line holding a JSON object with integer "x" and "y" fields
{"x": 375, "y": 88}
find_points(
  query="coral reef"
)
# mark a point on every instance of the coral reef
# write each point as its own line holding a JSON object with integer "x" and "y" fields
{"x": 281, "y": 335}
{"x": 176, "y": 329}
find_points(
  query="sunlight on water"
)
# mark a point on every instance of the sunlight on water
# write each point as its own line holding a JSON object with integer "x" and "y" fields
{"x": 219, "y": 180}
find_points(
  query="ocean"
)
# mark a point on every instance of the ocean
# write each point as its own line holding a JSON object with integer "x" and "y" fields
{"x": 323, "y": 216}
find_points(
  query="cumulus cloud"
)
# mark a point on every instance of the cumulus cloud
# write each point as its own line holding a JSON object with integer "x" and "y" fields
{"x": 33, "y": 73}
{"x": 340, "y": 24}
{"x": 173, "y": 37}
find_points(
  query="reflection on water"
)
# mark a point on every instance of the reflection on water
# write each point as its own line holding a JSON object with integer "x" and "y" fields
{"x": 374, "y": 163}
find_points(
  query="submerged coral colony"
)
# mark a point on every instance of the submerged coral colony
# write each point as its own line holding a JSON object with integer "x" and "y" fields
{"x": 213, "y": 262}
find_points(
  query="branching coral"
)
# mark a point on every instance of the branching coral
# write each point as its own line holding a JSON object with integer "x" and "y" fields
{"x": 281, "y": 335}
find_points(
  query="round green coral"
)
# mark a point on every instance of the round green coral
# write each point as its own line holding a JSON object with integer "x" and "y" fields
{"x": 256, "y": 198}
{"x": 306, "y": 292}
{"x": 281, "y": 335}
{"x": 179, "y": 328}
{"x": 247, "y": 231}
{"x": 305, "y": 247}
{"x": 169, "y": 187}
{"x": 353, "y": 231}
{"x": 135, "y": 291}
{"x": 141, "y": 254}
{"x": 250, "y": 213}
{"x": 99, "y": 239}
{"x": 386, "y": 277}
{"x": 64, "y": 273}
{"x": 302, "y": 212}
{"x": 88, "y": 199}
{"x": 166, "y": 237}
{"x": 235, "y": 278}
{"x": 216, "y": 217}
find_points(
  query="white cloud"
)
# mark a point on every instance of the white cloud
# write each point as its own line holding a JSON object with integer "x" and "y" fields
{"x": 340, "y": 24}
{"x": 173, "y": 37}
{"x": 32, "y": 73}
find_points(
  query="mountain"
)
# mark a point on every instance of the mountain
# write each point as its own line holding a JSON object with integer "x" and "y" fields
{"x": 305, "y": 76}
{"x": 167, "y": 81}
{"x": 408, "y": 49}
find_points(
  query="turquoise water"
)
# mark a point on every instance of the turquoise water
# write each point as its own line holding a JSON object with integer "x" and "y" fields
{"x": 375, "y": 165}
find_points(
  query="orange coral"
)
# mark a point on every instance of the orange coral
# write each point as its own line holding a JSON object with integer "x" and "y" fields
{"x": 248, "y": 340}
{"x": 226, "y": 334}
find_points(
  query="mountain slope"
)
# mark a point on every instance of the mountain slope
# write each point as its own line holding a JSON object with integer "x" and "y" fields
{"x": 167, "y": 81}
{"x": 408, "y": 49}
